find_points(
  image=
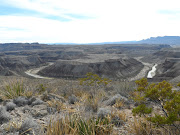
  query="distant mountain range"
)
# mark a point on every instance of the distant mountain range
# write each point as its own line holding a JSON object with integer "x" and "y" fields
{"x": 168, "y": 40}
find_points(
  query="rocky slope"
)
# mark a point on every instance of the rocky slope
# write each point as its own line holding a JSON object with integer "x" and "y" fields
{"x": 169, "y": 69}
{"x": 12, "y": 65}
{"x": 114, "y": 68}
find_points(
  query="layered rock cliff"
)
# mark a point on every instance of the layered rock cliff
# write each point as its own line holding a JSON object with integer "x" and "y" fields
{"x": 115, "y": 68}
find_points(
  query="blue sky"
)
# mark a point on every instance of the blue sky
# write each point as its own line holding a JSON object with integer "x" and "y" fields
{"x": 87, "y": 21}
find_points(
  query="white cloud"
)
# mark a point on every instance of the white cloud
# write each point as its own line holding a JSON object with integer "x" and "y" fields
{"x": 113, "y": 20}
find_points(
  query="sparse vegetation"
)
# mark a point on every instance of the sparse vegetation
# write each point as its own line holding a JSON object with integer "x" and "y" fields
{"x": 58, "y": 105}
{"x": 84, "y": 112}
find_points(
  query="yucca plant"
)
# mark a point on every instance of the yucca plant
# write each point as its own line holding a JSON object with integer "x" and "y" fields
{"x": 13, "y": 90}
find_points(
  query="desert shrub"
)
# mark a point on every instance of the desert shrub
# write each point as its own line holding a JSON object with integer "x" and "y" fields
{"x": 94, "y": 81}
{"x": 162, "y": 95}
{"x": 41, "y": 89}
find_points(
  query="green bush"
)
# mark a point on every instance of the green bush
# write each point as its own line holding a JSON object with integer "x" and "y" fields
{"x": 41, "y": 89}
{"x": 163, "y": 96}
{"x": 94, "y": 80}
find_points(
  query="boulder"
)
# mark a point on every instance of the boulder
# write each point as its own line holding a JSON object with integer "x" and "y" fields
{"x": 72, "y": 99}
{"x": 21, "y": 101}
{"x": 4, "y": 115}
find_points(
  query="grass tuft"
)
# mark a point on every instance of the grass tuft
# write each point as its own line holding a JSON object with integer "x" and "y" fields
{"x": 77, "y": 125}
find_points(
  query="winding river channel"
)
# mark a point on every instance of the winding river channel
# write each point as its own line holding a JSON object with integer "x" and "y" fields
{"x": 152, "y": 72}
{"x": 33, "y": 72}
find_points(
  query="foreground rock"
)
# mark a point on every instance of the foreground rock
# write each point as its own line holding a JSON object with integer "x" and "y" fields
{"x": 29, "y": 126}
{"x": 115, "y": 98}
{"x": 28, "y": 115}
{"x": 4, "y": 115}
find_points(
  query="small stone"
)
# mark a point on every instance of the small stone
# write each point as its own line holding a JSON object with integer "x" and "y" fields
{"x": 103, "y": 112}
{"x": 30, "y": 100}
{"x": 37, "y": 102}
{"x": 10, "y": 106}
{"x": 51, "y": 110}
{"x": 72, "y": 99}
{"x": 26, "y": 109}
{"x": 56, "y": 97}
{"x": 113, "y": 99}
{"x": 39, "y": 111}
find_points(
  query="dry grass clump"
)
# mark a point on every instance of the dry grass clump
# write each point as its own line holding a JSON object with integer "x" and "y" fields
{"x": 13, "y": 125}
{"x": 119, "y": 104}
{"x": 11, "y": 89}
{"x": 120, "y": 114}
{"x": 56, "y": 104}
{"x": 124, "y": 87}
{"x": 140, "y": 126}
{"x": 77, "y": 125}
{"x": 91, "y": 101}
